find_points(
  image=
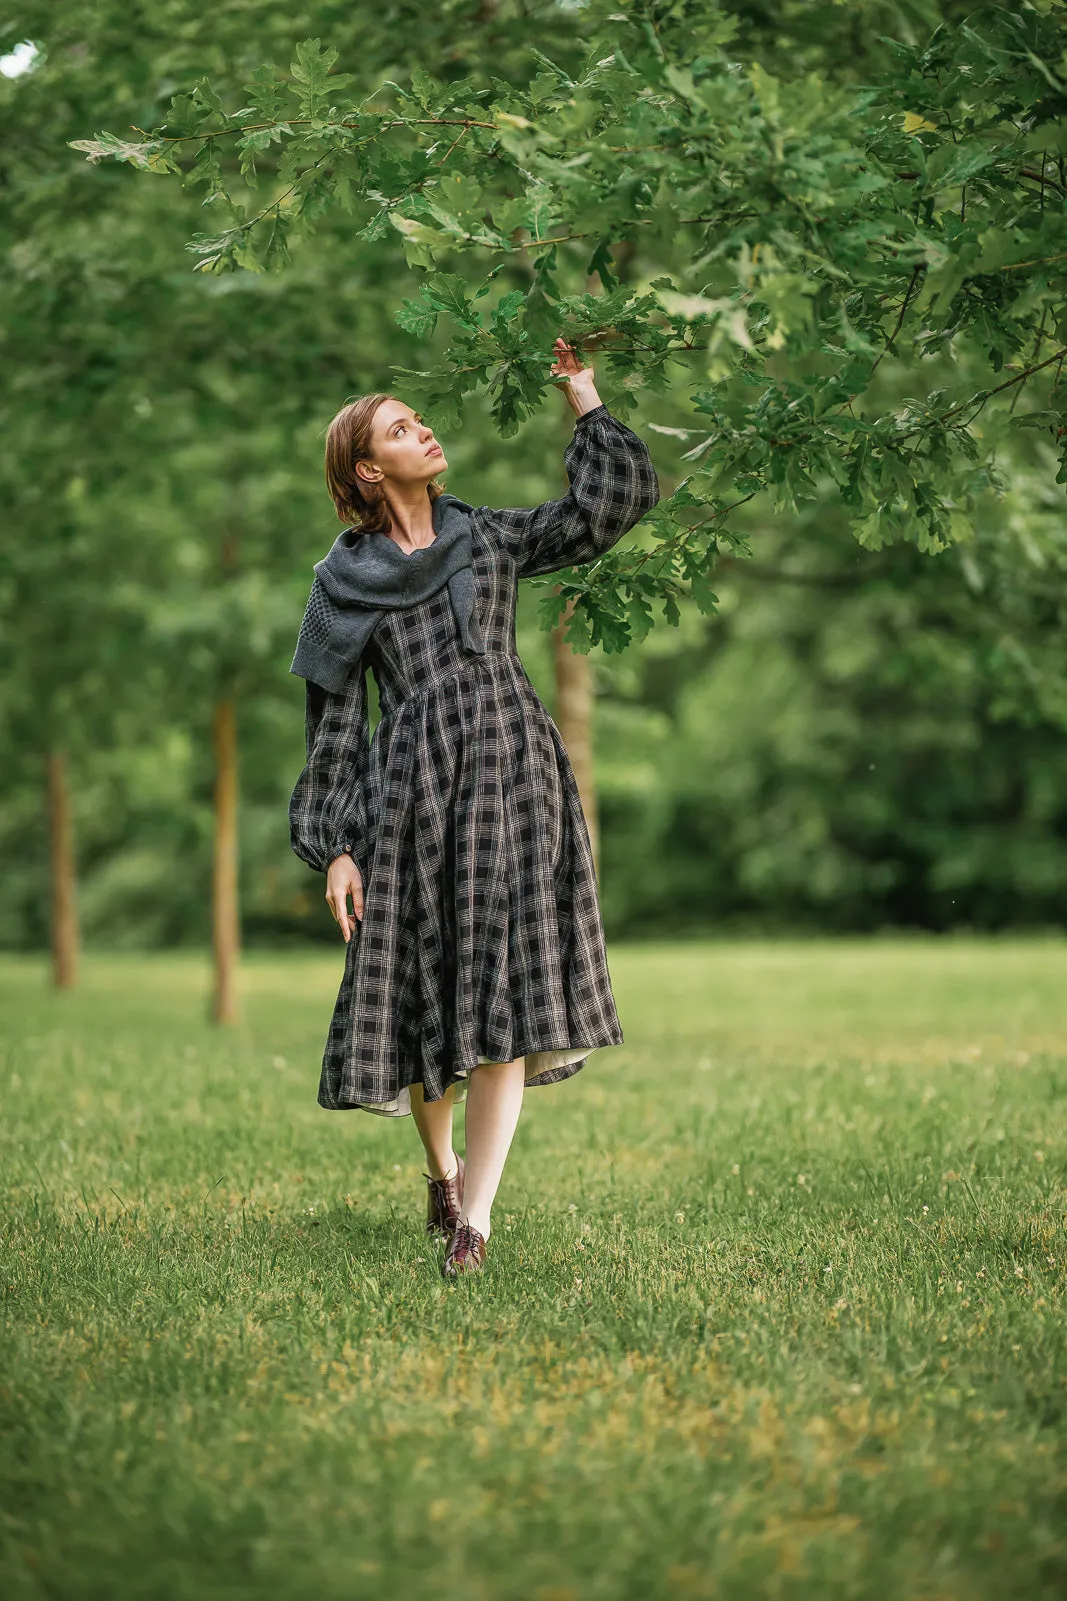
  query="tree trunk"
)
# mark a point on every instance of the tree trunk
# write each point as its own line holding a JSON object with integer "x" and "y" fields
{"x": 61, "y": 850}
{"x": 574, "y": 719}
{"x": 225, "y": 918}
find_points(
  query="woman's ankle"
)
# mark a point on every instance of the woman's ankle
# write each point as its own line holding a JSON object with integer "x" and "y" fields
{"x": 476, "y": 1220}
{"x": 435, "y": 1171}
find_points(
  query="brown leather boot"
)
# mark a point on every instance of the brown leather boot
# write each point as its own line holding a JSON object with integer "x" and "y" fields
{"x": 466, "y": 1252}
{"x": 443, "y": 1201}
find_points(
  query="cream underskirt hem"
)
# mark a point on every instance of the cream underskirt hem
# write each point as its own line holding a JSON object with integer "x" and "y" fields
{"x": 537, "y": 1062}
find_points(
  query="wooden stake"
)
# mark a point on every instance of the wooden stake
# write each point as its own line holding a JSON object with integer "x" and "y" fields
{"x": 224, "y": 909}
{"x": 574, "y": 719}
{"x": 61, "y": 850}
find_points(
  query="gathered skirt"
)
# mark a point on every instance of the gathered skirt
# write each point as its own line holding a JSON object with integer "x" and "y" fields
{"x": 481, "y": 936}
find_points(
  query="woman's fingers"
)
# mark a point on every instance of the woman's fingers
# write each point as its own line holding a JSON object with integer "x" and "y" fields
{"x": 339, "y": 886}
{"x": 566, "y": 361}
{"x": 344, "y": 918}
{"x": 336, "y": 905}
{"x": 353, "y": 886}
{"x": 567, "y": 364}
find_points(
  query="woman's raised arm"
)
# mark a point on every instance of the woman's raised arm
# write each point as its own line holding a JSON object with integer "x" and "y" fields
{"x": 612, "y": 485}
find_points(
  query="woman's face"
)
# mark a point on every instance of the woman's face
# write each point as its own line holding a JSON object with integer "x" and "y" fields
{"x": 403, "y": 448}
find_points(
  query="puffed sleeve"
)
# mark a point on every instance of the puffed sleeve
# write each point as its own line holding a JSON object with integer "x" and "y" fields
{"x": 612, "y": 484}
{"x": 326, "y": 809}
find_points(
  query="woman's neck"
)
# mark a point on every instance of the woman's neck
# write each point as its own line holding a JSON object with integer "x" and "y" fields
{"x": 411, "y": 515}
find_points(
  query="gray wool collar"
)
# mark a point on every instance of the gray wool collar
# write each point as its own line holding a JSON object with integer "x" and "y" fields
{"x": 364, "y": 575}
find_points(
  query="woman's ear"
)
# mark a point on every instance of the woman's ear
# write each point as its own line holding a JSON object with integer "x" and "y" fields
{"x": 369, "y": 473}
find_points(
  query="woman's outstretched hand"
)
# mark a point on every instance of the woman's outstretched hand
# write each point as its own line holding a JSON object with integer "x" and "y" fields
{"x": 343, "y": 879}
{"x": 580, "y": 388}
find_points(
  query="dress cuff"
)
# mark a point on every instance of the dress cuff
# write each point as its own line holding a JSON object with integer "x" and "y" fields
{"x": 597, "y": 411}
{"x": 339, "y": 848}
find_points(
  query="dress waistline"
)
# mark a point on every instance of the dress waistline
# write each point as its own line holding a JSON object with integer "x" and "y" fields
{"x": 482, "y": 659}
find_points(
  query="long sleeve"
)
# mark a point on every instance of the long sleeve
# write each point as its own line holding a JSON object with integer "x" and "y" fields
{"x": 326, "y": 810}
{"x": 612, "y": 484}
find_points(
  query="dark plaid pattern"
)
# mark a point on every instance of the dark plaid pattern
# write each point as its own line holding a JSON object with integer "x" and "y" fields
{"x": 481, "y": 938}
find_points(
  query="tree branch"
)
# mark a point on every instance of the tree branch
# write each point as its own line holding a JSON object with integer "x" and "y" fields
{"x": 917, "y": 271}
{"x": 1020, "y": 377}
{"x": 303, "y": 122}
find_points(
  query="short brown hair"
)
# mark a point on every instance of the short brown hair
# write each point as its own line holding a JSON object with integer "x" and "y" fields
{"x": 348, "y": 442}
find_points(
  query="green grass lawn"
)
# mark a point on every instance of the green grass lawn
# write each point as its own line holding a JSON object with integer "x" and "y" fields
{"x": 774, "y": 1304}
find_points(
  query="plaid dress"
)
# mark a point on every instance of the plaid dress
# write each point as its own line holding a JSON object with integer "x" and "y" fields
{"x": 481, "y": 938}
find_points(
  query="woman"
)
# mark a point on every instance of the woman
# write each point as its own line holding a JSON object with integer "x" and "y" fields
{"x": 475, "y": 959}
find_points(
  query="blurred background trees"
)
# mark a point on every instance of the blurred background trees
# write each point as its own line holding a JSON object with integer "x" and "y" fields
{"x": 857, "y": 736}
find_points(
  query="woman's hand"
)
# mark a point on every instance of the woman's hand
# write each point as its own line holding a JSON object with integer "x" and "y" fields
{"x": 580, "y": 388}
{"x": 343, "y": 879}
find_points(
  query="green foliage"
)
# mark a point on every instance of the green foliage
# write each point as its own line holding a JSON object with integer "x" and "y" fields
{"x": 855, "y": 741}
{"x": 795, "y": 232}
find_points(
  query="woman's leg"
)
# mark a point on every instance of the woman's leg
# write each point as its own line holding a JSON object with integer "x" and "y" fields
{"x": 433, "y": 1119}
{"x": 494, "y": 1101}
